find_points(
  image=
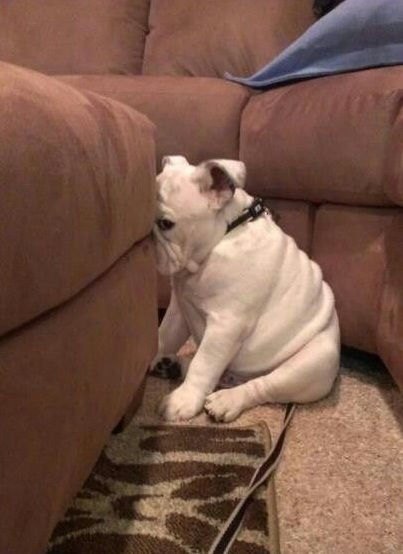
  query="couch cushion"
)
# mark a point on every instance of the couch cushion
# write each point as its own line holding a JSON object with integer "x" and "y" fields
{"x": 74, "y": 36}
{"x": 198, "y": 117}
{"x": 330, "y": 139}
{"x": 211, "y": 37}
{"x": 296, "y": 219}
{"x": 76, "y": 190}
{"x": 390, "y": 321}
{"x": 349, "y": 245}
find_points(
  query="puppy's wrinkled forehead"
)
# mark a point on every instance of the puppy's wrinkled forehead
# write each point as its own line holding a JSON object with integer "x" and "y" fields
{"x": 179, "y": 192}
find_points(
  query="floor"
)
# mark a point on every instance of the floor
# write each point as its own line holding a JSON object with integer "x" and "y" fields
{"x": 340, "y": 483}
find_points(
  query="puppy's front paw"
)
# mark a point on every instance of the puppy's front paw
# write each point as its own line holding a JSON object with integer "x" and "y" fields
{"x": 182, "y": 404}
{"x": 167, "y": 367}
{"x": 224, "y": 405}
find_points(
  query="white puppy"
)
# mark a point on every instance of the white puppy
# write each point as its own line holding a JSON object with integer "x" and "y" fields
{"x": 257, "y": 307}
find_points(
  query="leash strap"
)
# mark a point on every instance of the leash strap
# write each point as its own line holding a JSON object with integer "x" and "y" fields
{"x": 232, "y": 526}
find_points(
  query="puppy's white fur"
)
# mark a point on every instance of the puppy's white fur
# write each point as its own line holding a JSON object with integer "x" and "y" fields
{"x": 255, "y": 304}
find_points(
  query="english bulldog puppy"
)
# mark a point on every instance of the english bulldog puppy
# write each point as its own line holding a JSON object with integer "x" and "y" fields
{"x": 258, "y": 309}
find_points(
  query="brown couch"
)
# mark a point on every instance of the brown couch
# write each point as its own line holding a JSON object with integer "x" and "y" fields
{"x": 78, "y": 311}
{"x": 325, "y": 153}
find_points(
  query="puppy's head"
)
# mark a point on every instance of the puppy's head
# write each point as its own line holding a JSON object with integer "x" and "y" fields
{"x": 190, "y": 198}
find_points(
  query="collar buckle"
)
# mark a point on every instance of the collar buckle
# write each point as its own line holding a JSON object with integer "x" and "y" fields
{"x": 255, "y": 210}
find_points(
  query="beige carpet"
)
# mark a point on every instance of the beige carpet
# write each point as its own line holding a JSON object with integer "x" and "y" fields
{"x": 340, "y": 484}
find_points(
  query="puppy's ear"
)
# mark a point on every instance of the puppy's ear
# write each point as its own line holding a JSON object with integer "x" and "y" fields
{"x": 173, "y": 160}
{"x": 219, "y": 178}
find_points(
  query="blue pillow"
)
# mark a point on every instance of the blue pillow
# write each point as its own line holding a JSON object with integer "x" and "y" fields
{"x": 357, "y": 34}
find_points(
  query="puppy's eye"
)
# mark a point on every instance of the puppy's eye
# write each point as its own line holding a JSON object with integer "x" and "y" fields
{"x": 165, "y": 224}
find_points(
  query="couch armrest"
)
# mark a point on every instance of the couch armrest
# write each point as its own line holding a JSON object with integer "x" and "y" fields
{"x": 331, "y": 139}
{"x": 77, "y": 190}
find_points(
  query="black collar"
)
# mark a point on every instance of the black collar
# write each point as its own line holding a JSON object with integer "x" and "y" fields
{"x": 255, "y": 210}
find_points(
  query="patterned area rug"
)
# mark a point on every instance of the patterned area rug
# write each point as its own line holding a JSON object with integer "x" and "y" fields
{"x": 168, "y": 489}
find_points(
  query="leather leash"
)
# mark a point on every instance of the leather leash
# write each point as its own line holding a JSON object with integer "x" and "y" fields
{"x": 232, "y": 526}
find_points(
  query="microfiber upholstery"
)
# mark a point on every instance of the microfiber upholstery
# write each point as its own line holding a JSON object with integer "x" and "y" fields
{"x": 334, "y": 139}
{"x": 338, "y": 242}
{"x": 74, "y": 173}
{"x": 390, "y": 323}
{"x": 66, "y": 380}
{"x": 74, "y": 36}
{"x": 199, "y": 117}
{"x": 209, "y": 37}
{"x": 357, "y": 34}
{"x": 169, "y": 37}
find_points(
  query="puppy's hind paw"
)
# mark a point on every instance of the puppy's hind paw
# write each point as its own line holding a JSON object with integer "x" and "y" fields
{"x": 166, "y": 368}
